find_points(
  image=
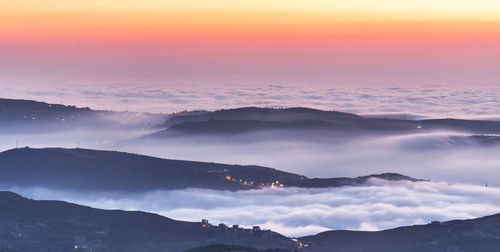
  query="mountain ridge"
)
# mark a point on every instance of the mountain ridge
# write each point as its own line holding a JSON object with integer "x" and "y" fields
{"x": 110, "y": 170}
{"x": 46, "y": 225}
{"x": 480, "y": 234}
{"x": 57, "y": 226}
{"x": 244, "y": 120}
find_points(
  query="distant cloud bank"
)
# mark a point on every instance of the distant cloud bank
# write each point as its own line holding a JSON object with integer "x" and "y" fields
{"x": 401, "y": 103}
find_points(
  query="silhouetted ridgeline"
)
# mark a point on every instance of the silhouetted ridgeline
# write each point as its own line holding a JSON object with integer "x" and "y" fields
{"x": 53, "y": 226}
{"x": 16, "y": 115}
{"x": 23, "y": 115}
{"x": 83, "y": 169}
{"x": 263, "y": 114}
{"x": 233, "y": 248}
{"x": 252, "y": 119}
{"x": 482, "y": 234}
{"x": 27, "y": 110}
{"x": 34, "y": 116}
{"x": 56, "y": 226}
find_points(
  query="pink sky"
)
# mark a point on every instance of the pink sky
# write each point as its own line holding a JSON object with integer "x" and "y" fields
{"x": 326, "y": 43}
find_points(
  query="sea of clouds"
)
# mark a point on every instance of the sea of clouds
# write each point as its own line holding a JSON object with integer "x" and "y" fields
{"x": 299, "y": 211}
{"x": 396, "y": 102}
{"x": 294, "y": 211}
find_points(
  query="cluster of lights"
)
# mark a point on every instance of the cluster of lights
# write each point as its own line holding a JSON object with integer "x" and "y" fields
{"x": 299, "y": 243}
{"x": 251, "y": 183}
{"x": 277, "y": 184}
{"x": 241, "y": 181}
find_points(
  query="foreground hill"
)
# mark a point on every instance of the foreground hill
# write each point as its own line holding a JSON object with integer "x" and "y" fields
{"x": 53, "y": 226}
{"x": 31, "y": 225}
{"x": 482, "y": 234}
{"x": 232, "y": 248}
{"x": 83, "y": 169}
{"x": 253, "y": 119}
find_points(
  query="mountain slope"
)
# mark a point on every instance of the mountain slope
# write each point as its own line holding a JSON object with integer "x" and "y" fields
{"x": 83, "y": 169}
{"x": 482, "y": 234}
{"x": 263, "y": 114}
{"x": 33, "y": 116}
{"x": 27, "y": 110}
{"x": 253, "y": 119}
{"x": 30, "y": 225}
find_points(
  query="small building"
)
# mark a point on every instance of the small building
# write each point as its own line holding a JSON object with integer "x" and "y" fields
{"x": 204, "y": 223}
{"x": 222, "y": 227}
{"x": 235, "y": 228}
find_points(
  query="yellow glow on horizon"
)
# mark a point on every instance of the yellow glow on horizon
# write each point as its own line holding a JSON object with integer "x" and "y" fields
{"x": 250, "y": 21}
{"x": 357, "y": 9}
{"x": 206, "y": 24}
{"x": 273, "y": 41}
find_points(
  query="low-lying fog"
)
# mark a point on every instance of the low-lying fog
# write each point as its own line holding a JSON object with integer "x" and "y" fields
{"x": 297, "y": 212}
{"x": 86, "y": 138}
{"x": 446, "y": 156}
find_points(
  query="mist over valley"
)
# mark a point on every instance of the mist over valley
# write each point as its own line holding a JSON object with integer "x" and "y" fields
{"x": 295, "y": 171}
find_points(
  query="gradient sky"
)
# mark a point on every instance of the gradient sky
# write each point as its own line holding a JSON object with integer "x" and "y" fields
{"x": 231, "y": 42}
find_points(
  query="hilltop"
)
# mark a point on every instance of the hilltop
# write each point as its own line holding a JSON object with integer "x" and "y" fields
{"x": 481, "y": 234}
{"x": 254, "y": 119}
{"x": 32, "y": 225}
{"x": 34, "y": 116}
{"x": 84, "y": 169}
{"x": 57, "y": 226}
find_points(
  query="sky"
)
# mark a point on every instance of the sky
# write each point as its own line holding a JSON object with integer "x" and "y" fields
{"x": 331, "y": 43}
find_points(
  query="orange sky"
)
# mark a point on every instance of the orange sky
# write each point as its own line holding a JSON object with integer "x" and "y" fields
{"x": 330, "y": 41}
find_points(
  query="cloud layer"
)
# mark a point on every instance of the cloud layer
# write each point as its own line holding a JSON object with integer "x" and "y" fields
{"x": 427, "y": 156}
{"x": 298, "y": 212}
{"x": 292, "y": 211}
{"x": 392, "y": 102}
